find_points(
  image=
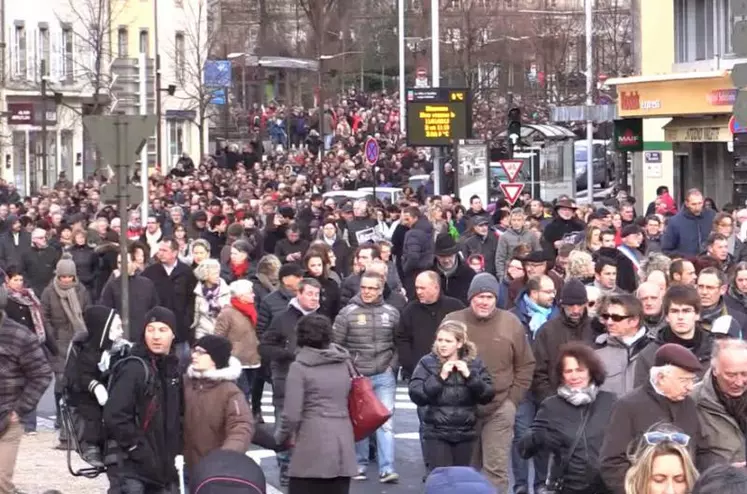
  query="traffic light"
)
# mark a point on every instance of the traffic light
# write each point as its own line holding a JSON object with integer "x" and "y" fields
{"x": 514, "y": 129}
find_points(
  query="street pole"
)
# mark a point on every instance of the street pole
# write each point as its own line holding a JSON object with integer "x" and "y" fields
{"x": 43, "y": 68}
{"x": 122, "y": 167}
{"x": 363, "y": 59}
{"x": 401, "y": 42}
{"x": 159, "y": 150}
{"x": 436, "y": 82}
{"x": 226, "y": 114}
{"x": 589, "y": 103}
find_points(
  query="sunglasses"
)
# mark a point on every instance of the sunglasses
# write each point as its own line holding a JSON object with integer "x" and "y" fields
{"x": 614, "y": 317}
{"x": 653, "y": 438}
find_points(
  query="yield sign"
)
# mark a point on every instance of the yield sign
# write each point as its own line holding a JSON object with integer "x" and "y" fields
{"x": 512, "y": 191}
{"x": 512, "y": 168}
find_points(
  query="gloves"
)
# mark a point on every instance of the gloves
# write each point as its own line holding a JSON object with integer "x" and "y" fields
{"x": 101, "y": 394}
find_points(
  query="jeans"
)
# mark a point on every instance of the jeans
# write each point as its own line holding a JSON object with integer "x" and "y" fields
{"x": 384, "y": 386}
{"x": 519, "y": 466}
{"x": 246, "y": 383}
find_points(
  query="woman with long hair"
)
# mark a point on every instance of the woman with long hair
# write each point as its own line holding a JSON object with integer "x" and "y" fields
{"x": 316, "y": 265}
{"x": 661, "y": 464}
{"x": 211, "y": 295}
{"x": 450, "y": 382}
{"x": 571, "y": 424}
{"x": 185, "y": 244}
{"x": 737, "y": 291}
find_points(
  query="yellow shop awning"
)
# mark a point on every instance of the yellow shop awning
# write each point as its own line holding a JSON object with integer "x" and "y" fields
{"x": 711, "y": 129}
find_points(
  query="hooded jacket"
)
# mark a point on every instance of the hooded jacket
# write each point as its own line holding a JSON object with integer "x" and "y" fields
{"x": 216, "y": 413}
{"x": 367, "y": 332}
{"x": 419, "y": 248}
{"x": 143, "y": 298}
{"x": 686, "y": 233}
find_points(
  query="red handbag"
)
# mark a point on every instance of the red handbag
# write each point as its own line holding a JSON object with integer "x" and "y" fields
{"x": 367, "y": 413}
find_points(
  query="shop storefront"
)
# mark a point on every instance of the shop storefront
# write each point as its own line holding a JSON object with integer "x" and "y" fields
{"x": 685, "y": 132}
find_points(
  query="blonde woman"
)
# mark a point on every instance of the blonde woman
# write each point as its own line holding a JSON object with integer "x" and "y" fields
{"x": 436, "y": 217}
{"x": 662, "y": 464}
{"x": 211, "y": 295}
{"x": 449, "y": 383}
{"x": 580, "y": 266}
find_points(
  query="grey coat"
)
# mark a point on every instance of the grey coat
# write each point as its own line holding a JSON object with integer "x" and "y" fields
{"x": 722, "y": 442}
{"x": 508, "y": 242}
{"x": 315, "y": 415}
{"x": 367, "y": 332}
{"x": 55, "y": 317}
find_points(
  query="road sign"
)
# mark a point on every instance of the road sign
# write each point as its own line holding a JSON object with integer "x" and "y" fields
{"x": 119, "y": 138}
{"x": 512, "y": 191}
{"x": 734, "y": 126}
{"x": 109, "y": 194}
{"x": 372, "y": 151}
{"x": 512, "y": 168}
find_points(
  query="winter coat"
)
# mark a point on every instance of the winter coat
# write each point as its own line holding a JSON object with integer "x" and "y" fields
{"x": 632, "y": 416}
{"x": 547, "y": 343}
{"x": 556, "y": 230}
{"x": 316, "y": 415}
{"x": 242, "y": 334}
{"x": 22, "y": 315}
{"x": 619, "y": 362}
{"x": 722, "y": 441}
{"x": 143, "y": 417}
{"x": 502, "y": 345}
{"x": 12, "y": 254}
{"x": 216, "y": 413}
{"x": 506, "y": 245}
{"x": 524, "y": 315}
{"x": 272, "y": 305}
{"x": 456, "y": 284}
{"x": 358, "y": 225}
{"x": 419, "y": 249}
{"x": 204, "y": 323}
{"x": 284, "y": 248}
{"x": 55, "y": 317}
{"x": 484, "y": 246}
{"x": 176, "y": 292}
{"x": 26, "y": 371}
{"x": 329, "y": 296}
{"x": 38, "y": 267}
{"x": 216, "y": 241}
{"x": 143, "y": 298}
{"x": 417, "y": 328}
{"x": 700, "y": 345}
{"x": 262, "y": 287}
{"x": 555, "y": 428}
{"x": 450, "y": 404}
{"x": 686, "y": 233}
{"x": 86, "y": 263}
{"x": 367, "y": 332}
{"x": 227, "y": 275}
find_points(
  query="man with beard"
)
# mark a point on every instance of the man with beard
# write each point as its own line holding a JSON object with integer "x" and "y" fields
{"x": 651, "y": 297}
{"x": 454, "y": 274}
{"x": 718, "y": 315}
{"x": 564, "y": 224}
{"x": 721, "y": 400}
{"x": 681, "y": 311}
{"x": 682, "y": 272}
{"x": 688, "y": 229}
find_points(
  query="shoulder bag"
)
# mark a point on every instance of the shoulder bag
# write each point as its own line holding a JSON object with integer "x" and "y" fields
{"x": 557, "y": 485}
{"x": 367, "y": 413}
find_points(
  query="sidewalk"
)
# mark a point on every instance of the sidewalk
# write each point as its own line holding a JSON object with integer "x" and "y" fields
{"x": 40, "y": 467}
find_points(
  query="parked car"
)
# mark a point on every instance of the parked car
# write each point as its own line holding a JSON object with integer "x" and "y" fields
{"x": 603, "y": 167}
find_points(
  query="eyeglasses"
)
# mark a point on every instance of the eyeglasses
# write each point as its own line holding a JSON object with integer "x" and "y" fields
{"x": 656, "y": 437}
{"x": 614, "y": 317}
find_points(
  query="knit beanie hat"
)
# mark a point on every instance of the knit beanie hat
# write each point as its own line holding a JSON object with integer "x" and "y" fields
{"x": 482, "y": 283}
{"x": 162, "y": 315}
{"x": 573, "y": 293}
{"x": 218, "y": 347}
{"x": 66, "y": 266}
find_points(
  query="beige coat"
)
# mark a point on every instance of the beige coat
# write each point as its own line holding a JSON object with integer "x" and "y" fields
{"x": 241, "y": 332}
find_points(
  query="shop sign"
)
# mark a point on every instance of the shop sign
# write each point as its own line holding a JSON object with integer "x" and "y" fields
{"x": 722, "y": 97}
{"x": 630, "y": 100}
{"x": 20, "y": 113}
{"x": 676, "y": 97}
{"x": 629, "y": 134}
{"x": 697, "y": 134}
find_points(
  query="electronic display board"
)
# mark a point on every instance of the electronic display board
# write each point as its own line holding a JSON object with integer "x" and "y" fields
{"x": 438, "y": 116}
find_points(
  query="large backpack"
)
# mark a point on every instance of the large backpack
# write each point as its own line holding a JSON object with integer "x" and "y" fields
{"x": 227, "y": 472}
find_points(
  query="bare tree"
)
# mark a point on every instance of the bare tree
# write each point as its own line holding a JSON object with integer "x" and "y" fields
{"x": 188, "y": 54}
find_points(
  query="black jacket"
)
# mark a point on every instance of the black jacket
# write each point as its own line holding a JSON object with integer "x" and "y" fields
{"x": 555, "y": 428}
{"x": 22, "y": 315}
{"x": 12, "y": 254}
{"x": 176, "y": 292}
{"x": 329, "y": 297}
{"x": 450, "y": 405}
{"x": 38, "y": 267}
{"x": 284, "y": 248}
{"x": 418, "y": 250}
{"x": 271, "y": 306}
{"x": 456, "y": 284}
{"x": 143, "y": 416}
{"x": 556, "y": 230}
{"x": 484, "y": 246}
{"x": 416, "y": 332}
{"x": 86, "y": 262}
{"x": 216, "y": 241}
{"x": 143, "y": 297}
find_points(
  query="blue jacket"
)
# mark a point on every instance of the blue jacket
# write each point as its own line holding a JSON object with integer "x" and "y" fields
{"x": 686, "y": 233}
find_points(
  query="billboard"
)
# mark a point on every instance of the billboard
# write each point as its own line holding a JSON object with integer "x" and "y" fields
{"x": 438, "y": 116}
{"x": 472, "y": 169}
{"x": 217, "y": 73}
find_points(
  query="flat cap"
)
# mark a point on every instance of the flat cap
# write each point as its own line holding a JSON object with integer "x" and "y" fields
{"x": 678, "y": 356}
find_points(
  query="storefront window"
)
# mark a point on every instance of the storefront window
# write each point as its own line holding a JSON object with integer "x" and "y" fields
{"x": 702, "y": 29}
{"x": 37, "y": 153}
{"x": 177, "y": 139}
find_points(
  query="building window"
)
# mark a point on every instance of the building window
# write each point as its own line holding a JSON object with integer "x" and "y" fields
{"x": 122, "y": 42}
{"x": 44, "y": 50}
{"x": 20, "y": 62}
{"x": 144, "y": 42}
{"x": 179, "y": 56}
{"x": 68, "y": 71}
{"x": 702, "y": 29}
{"x": 177, "y": 138}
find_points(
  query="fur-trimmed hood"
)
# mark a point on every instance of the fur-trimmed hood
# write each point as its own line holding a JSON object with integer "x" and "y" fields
{"x": 230, "y": 373}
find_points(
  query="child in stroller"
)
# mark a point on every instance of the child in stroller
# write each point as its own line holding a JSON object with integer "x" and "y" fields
{"x": 90, "y": 356}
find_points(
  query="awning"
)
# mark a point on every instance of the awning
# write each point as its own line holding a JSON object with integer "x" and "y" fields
{"x": 543, "y": 131}
{"x": 714, "y": 129}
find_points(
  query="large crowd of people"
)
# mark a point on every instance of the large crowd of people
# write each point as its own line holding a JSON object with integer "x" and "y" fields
{"x": 602, "y": 345}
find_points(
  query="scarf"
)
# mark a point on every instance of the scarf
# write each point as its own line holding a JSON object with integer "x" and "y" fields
{"x": 249, "y": 310}
{"x": 239, "y": 270}
{"x": 212, "y": 297}
{"x": 70, "y": 304}
{"x": 538, "y": 314}
{"x": 27, "y": 298}
{"x": 710, "y": 314}
{"x": 738, "y": 296}
{"x": 579, "y": 397}
{"x": 735, "y": 407}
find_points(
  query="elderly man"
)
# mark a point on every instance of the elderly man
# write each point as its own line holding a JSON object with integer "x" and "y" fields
{"x": 664, "y": 398}
{"x": 502, "y": 344}
{"x": 651, "y": 298}
{"x": 454, "y": 273}
{"x": 720, "y": 400}
{"x": 718, "y": 315}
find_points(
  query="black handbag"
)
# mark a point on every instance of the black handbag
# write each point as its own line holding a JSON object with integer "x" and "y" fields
{"x": 557, "y": 485}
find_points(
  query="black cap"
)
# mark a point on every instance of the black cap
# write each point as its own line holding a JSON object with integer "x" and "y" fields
{"x": 678, "y": 356}
{"x": 573, "y": 293}
{"x": 218, "y": 347}
{"x": 162, "y": 315}
{"x": 536, "y": 256}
